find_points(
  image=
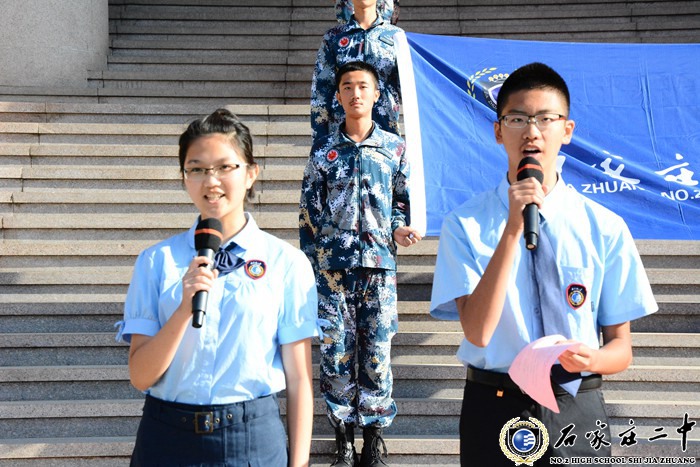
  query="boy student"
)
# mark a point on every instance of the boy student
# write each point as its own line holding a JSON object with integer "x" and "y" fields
{"x": 488, "y": 278}
{"x": 354, "y": 209}
{"x": 365, "y": 33}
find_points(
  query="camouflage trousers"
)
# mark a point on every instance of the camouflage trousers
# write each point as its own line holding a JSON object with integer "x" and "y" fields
{"x": 359, "y": 309}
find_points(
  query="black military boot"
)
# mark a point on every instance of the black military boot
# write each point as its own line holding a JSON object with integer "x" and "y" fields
{"x": 344, "y": 439}
{"x": 371, "y": 456}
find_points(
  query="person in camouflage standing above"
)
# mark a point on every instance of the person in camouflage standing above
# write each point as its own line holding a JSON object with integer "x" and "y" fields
{"x": 354, "y": 210}
{"x": 365, "y": 33}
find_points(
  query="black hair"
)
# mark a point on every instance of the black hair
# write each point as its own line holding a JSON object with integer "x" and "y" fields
{"x": 221, "y": 121}
{"x": 356, "y": 66}
{"x": 532, "y": 76}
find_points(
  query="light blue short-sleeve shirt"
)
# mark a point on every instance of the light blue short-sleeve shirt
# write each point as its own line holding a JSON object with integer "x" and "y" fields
{"x": 235, "y": 355}
{"x": 595, "y": 253}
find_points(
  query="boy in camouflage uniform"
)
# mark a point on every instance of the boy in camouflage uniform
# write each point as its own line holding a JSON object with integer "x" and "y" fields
{"x": 365, "y": 33}
{"x": 354, "y": 210}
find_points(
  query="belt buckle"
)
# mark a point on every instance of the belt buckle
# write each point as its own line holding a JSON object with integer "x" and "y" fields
{"x": 203, "y": 419}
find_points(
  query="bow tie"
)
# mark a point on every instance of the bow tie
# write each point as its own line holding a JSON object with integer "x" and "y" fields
{"x": 226, "y": 261}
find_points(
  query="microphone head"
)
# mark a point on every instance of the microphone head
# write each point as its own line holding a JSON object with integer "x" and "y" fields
{"x": 530, "y": 167}
{"x": 207, "y": 235}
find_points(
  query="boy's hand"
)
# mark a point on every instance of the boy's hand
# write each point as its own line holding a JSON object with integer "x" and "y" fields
{"x": 520, "y": 194}
{"x": 578, "y": 358}
{"x": 406, "y": 236}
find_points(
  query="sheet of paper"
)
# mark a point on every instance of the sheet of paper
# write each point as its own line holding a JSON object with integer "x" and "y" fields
{"x": 531, "y": 368}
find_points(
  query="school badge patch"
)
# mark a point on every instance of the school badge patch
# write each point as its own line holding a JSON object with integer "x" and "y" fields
{"x": 524, "y": 441}
{"x": 576, "y": 295}
{"x": 332, "y": 155}
{"x": 343, "y": 42}
{"x": 255, "y": 268}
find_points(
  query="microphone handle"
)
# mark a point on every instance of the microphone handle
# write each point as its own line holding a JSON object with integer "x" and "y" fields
{"x": 532, "y": 226}
{"x": 199, "y": 301}
{"x": 199, "y": 308}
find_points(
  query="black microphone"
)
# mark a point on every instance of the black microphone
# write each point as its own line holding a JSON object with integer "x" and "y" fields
{"x": 207, "y": 240}
{"x": 531, "y": 167}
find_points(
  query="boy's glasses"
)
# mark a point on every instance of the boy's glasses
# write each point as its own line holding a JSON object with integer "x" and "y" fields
{"x": 521, "y": 121}
{"x": 220, "y": 172}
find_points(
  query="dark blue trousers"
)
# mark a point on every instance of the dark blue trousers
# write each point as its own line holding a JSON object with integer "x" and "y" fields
{"x": 243, "y": 434}
{"x": 485, "y": 412}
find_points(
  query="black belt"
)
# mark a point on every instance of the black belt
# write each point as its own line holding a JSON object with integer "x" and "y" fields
{"x": 502, "y": 381}
{"x": 206, "y": 419}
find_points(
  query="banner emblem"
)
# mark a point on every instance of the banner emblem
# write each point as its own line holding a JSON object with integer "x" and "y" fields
{"x": 489, "y": 83}
{"x": 332, "y": 155}
{"x": 343, "y": 42}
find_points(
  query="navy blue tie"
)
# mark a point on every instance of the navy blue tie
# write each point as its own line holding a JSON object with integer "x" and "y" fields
{"x": 226, "y": 261}
{"x": 554, "y": 316}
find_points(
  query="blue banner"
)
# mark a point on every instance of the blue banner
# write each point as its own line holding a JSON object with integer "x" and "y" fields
{"x": 636, "y": 145}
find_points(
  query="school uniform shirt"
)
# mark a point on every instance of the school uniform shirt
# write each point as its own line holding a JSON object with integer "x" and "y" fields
{"x": 348, "y": 42}
{"x": 353, "y": 197}
{"x": 235, "y": 356}
{"x": 595, "y": 254}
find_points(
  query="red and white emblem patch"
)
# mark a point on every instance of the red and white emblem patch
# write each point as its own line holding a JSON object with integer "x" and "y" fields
{"x": 343, "y": 42}
{"x": 255, "y": 268}
{"x": 332, "y": 155}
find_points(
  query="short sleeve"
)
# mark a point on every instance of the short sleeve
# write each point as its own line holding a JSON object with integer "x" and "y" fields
{"x": 456, "y": 270}
{"x": 141, "y": 305}
{"x": 626, "y": 293}
{"x": 300, "y": 307}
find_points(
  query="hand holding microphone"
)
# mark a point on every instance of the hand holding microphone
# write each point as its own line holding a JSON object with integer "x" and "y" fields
{"x": 207, "y": 240}
{"x": 530, "y": 167}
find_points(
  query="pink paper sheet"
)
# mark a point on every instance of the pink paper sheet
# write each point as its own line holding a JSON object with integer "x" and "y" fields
{"x": 531, "y": 367}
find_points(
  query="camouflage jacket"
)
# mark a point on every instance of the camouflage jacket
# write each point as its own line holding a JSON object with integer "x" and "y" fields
{"x": 348, "y": 42}
{"x": 353, "y": 196}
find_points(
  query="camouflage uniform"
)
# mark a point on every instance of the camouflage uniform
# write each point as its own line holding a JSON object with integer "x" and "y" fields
{"x": 353, "y": 197}
{"x": 348, "y": 42}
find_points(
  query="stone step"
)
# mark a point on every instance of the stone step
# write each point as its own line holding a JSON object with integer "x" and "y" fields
{"x": 676, "y": 250}
{"x": 425, "y": 250}
{"x": 292, "y": 93}
{"x": 433, "y": 417}
{"x": 107, "y": 178}
{"x": 39, "y": 155}
{"x": 128, "y": 173}
{"x": 48, "y": 112}
{"x": 317, "y": 22}
{"x": 193, "y": 44}
{"x": 408, "y": 274}
{"x": 209, "y": 77}
{"x": 126, "y": 202}
{"x": 129, "y": 133}
{"x": 418, "y": 343}
{"x": 426, "y": 12}
{"x": 63, "y": 311}
{"x": 404, "y": 451}
{"x": 100, "y": 381}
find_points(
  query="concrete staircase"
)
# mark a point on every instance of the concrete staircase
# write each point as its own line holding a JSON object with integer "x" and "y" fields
{"x": 88, "y": 178}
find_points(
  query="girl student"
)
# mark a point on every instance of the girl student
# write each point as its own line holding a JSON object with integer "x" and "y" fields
{"x": 211, "y": 391}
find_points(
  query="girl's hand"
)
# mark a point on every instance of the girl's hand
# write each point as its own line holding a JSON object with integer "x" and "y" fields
{"x": 196, "y": 278}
